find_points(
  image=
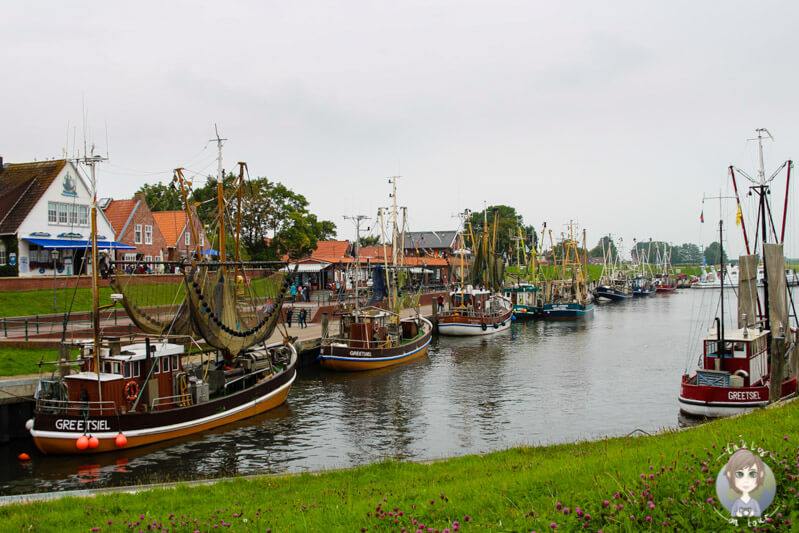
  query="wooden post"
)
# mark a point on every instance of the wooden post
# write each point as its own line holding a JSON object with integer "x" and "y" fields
{"x": 324, "y": 325}
{"x": 777, "y": 359}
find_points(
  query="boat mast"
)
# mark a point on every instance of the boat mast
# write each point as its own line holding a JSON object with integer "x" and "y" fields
{"x": 762, "y": 191}
{"x": 357, "y": 219}
{"x": 92, "y": 161}
{"x": 220, "y": 197}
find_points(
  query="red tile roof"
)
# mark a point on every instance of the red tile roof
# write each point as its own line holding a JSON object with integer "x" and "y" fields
{"x": 21, "y": 187}
{"x": 118, "y": 212}
{"x": 171, "y": 224}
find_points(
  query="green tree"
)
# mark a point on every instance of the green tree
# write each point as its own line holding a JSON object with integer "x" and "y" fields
{"x": 712, "y": 254}
{"x": 160, "y": 197}
{"x": 605, "y": 245}
{"x": 508, "y": 222}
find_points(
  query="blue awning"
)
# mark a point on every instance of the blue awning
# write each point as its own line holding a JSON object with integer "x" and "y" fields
{"x": 55, "y": 244}
{"x": 209, "y": 251}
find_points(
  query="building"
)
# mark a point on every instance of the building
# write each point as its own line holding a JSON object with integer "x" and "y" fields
{"x": 45, "y": 222}
{"x": 135, "y": 225}
{"x": 431, "y": 243}
{"x": 326, "y": 267}
{"x": 176, "y": 230}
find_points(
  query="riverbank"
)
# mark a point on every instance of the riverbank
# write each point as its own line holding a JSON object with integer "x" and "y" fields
{"x": 666, "y": 481}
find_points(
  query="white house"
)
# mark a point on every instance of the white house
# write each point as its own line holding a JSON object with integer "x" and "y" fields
{"x": 45, "y": 219}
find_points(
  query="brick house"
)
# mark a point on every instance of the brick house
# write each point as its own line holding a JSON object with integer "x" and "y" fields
{"x": 134, "y": 224}
{"x": 174, "y": 226}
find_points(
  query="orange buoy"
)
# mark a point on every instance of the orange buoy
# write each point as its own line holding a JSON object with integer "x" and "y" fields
{"x": 82, "y": 443}
{"x": 24, "y": 457}
{"x": 121, "y": 440}
{"x": 94, "y": 442}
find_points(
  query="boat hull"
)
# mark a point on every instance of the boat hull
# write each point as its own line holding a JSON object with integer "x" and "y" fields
{"x": 527, "y": 312}
{"x": 665, "y": 289}
{"x": 572, "y": 311}
{"x": 342, "y": 359}
{"x": 614, "y": 295}
{"x": 55, "y": 433}
{"x": 469, "y": 326}
{"x": 716, "y": 402}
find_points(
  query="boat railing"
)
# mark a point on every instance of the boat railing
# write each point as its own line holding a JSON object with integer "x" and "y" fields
{"x": 68, "y": 407}
{"x": 362, "y": 344}
{"x": 178, "y": 399}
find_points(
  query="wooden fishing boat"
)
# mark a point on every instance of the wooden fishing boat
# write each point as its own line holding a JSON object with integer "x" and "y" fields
{"x": 370, "y": 337}
{"x": 126, "y": 395}
{"x": 744, "y": 368}
{"x": 527, "y": 300}
{"x": 567, "y": 296}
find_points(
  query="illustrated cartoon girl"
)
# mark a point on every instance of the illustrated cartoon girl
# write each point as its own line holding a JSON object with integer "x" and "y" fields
{"x": 745, "y": 472}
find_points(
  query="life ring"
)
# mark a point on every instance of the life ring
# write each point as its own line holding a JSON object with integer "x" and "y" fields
{"x": 131, "y": 391}
{"x": 483, "y": 325}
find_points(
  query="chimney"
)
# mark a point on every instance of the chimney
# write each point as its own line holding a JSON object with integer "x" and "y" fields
{"x": 139, "y": 196}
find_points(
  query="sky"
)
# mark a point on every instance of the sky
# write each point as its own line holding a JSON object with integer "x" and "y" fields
{"x": 618, "y": 115}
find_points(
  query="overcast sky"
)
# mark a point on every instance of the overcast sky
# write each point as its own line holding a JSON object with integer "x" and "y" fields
{"x": 620, "y": 115}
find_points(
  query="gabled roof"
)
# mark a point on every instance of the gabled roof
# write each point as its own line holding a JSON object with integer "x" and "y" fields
{"x": 171, "y": 224}
{"x": 332, "y": 251}
{"x": 21, "y": 187}
{"x": 118, "y": 213}
{"x": 374, "y": 254}
{"x": 430, "y": 239}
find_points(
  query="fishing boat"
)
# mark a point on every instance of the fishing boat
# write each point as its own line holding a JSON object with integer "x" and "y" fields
{"x": 664, "y": 278}
{"x": 613, "y": 283}
{"x": 120, "y": 395}
{"x": 745, "y": 367}
{"x": 370, "y": 337}
{"x": 474, "y": 309}
{"x": 525, "y": 293}
{"x": 567, "y": 297}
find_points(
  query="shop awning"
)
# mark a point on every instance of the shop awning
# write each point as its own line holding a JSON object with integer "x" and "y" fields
{"x": 308, "y": 267}
{"x": 56, "y": 244}
{"x": 209, "y": 251}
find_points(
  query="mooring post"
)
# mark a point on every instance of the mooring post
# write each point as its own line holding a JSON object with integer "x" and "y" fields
{"x": 26, "y": 329}
{"x": 325, "y": 325}
{"x": 37, "y": 324}
{"x": 777, "y": 360}
{"x": 434, "y": 305}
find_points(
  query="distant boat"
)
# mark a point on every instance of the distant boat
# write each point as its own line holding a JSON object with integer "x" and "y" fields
{"x": 567, "y": 296}
{"x": 613, "y": 283}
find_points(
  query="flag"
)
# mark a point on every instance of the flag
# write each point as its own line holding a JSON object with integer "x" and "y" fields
{"x": 702, "y": 216}
{"x": 739, "y": 216}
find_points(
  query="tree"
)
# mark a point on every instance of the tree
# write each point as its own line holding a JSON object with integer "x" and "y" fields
{"x": 605, "y": 245}
{"x": 160, "y": 197}
{"x": 712, "y": 254}
{"x": 508, "y": 222}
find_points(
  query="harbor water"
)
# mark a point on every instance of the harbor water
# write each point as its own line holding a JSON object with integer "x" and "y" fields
{"x": 538, "y": 383}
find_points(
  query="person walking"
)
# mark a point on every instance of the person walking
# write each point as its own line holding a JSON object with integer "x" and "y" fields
{"x": 303, "y": 317}
{"x": 440, "y": 304}
{"x": 293, "y": 291}
{"x": 289, "y": 312}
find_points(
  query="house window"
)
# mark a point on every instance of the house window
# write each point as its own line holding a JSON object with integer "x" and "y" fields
{"x": 202, "y": 240}
{"x": 148, "y": 234}
{"x": 130, "y": 257}
{"x": 83, "y": 215}
{"x": 73, "y": 214}
{"x": 137, "y": 234}
{"x": 187, "y": 239}
{"x": 62, "y": 213}
{"x": 148, "y": 259}
{"x": 52, "y": 212}
{"x": 2, "y": 257}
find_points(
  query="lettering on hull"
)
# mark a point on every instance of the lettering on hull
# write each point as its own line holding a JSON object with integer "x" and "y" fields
{"x": 743, "y": 395}
{"x": 82, "y": 425}
{"x": 360, "y": 353}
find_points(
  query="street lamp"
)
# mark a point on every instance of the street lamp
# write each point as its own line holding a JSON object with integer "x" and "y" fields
{"x": 54, "y": 256}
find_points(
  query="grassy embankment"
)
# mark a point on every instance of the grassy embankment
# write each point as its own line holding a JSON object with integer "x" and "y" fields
{"x": 21, "y": 361}
{"x": 595, "y": 271}
{"x": 40, "y": 302}
{"x": 663, "y": 482}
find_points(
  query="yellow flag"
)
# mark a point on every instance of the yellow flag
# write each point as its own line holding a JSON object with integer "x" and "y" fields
{"x": 739, "y": 217}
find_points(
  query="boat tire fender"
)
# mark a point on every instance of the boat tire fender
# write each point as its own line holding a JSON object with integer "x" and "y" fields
{"x": 131, "y": 391}
{"x": 496, "y": 326}
{"x": 484, "y": 326}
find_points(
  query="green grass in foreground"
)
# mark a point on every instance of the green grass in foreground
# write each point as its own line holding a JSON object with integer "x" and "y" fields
{"x": 664, "y": 482}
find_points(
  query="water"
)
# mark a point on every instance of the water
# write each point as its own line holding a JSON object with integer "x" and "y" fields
{"x": 538, "y": 383}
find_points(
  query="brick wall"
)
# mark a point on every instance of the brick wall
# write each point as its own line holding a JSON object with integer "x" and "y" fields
{"x": 143, "y": 216}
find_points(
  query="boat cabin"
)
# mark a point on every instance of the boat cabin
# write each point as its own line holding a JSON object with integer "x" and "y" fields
{"x": 129, "y": 375}
{"x": 524, "y": 294}
{"x": 739, "y": 360}
{"x": 365, "y": 328}
{"x": 472, "y": 299}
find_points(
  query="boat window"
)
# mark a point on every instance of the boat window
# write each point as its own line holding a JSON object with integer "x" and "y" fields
{"x": 166, "y": 364}
{"x": 117, "y": 367}
{"x": 107, "y": 367}
{"x": 157, "y": 365}
{"x": 174, "y": 362}
{"x": 136, "y": 369}
{"x": 711, "y": 348}
{"x": 739, "y": 349}
{"x": 127, "y": 370}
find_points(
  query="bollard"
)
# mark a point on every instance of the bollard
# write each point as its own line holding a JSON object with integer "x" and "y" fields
{"x": 26, "y": 329}
{"x": 5, "y": 327}
{"x": 325, "y": 325}
{"x": 37, "y": 324}
{"x": 115, "y": 317}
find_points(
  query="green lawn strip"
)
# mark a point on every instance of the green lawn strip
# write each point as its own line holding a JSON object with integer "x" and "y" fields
{"x": 22, "y": 361}
{"x": 664, "y": 482}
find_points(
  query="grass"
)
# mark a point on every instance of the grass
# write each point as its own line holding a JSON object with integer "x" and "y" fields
{"x": 40, "y": 302}
{"x": 22, "y": 361}
{"x": 659, "y": 483}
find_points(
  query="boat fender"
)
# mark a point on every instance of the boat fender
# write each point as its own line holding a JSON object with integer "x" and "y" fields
{"x": 513, "y": 318}
{"x": 82, "y": 442}
{"x": 483, "y": 325}
{"x": 496, "y": 326}
{"x": 131, "y": 391}
{"x": 121, "y": 440}
{"x": 94, "y": 442}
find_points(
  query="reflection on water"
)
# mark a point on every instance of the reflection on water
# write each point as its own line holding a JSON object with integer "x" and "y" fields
{"x": 539, "y": 382}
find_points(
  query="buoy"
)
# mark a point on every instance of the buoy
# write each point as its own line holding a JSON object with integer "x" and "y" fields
{"x": 29, "y": 424}
{"x": 513, "y": 318}
{"x": 24, "y": 457}
{"x": 121, "y": 440}
{"x": 82, "y": 443}
{"x": 94, "y": 442}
